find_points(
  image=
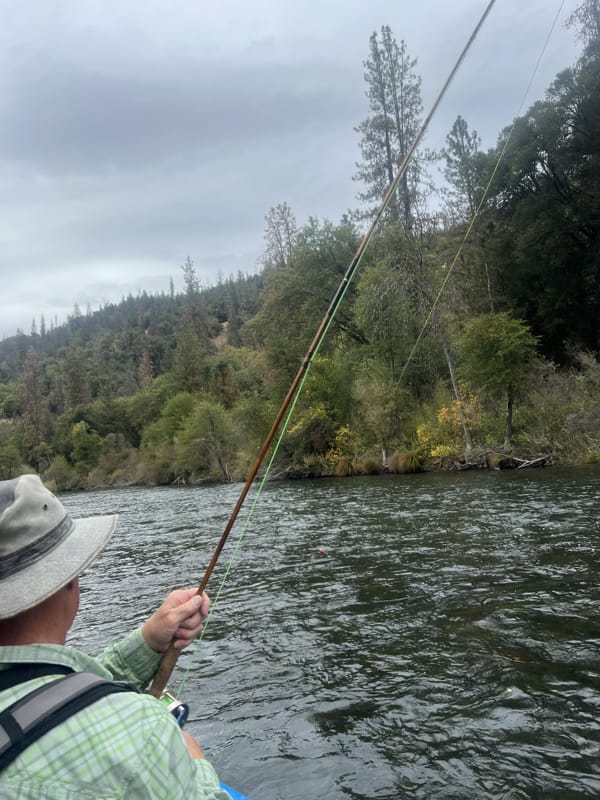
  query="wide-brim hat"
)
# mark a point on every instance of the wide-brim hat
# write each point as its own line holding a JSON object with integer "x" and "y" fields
{"x": 42, "y": 547}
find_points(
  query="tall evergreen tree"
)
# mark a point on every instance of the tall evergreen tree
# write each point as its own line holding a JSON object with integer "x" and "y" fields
{"x": 33, "y": 409}
{"x": 461, "y": 170}
{"x": 394, "y": 93}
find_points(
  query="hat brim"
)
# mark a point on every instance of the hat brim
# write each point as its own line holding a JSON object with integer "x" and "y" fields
{"x": 36, "y": 583}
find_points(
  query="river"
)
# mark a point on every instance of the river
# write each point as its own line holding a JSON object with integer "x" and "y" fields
{"x": 430, "y": 636}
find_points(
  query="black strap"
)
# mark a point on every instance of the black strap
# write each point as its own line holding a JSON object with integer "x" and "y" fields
{"x": 28, "y": 671}
{"x": 39, "y": 711}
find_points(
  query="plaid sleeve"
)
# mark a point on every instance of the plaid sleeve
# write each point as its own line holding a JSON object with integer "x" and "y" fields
{"x": 131, "y": 660}
{"x": 166, "y": 768}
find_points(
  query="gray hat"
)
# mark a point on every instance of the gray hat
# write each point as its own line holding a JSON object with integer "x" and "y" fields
{"x": 41, "y": 547}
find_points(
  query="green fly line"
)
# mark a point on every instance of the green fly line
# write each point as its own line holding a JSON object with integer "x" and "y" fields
{"x": 340, "y": 294}
{"x": 389, "y": 197}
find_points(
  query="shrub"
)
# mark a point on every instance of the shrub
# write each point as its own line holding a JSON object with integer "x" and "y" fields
{"x": 405, "y": 462}
{"x": 344, "y": 467}
{"x": 61, "y": 476}
{"x": 369, "y": 466}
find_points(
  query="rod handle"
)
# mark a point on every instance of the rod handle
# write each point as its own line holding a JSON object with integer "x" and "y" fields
{"x": 167, "y": 664}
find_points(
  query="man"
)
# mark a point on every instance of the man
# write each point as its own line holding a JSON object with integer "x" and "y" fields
{"x": 125, "y": 744}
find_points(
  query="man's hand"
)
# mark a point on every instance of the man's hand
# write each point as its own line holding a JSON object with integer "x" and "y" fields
{"x": 178, "y": 620}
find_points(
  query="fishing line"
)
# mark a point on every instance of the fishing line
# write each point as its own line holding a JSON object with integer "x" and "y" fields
{"x": 484, "y": 195}
{"x": 250, "y": 514}
{"x": 170, "y": 657}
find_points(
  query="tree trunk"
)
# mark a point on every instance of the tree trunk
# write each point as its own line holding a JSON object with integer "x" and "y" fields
{"x": 489, "y": 287}
{"x": 455, "y": 386}
{"x": 509, "y": 419}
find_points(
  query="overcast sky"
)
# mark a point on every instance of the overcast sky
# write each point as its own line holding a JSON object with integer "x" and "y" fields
{"x": 134, "y": 134}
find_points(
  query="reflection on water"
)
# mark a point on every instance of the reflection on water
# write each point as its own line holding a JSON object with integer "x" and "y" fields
{"x": 429, "y": 636}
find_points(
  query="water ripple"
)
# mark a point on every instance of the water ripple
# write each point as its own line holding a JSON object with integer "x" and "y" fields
{"x": 431, "y": 637}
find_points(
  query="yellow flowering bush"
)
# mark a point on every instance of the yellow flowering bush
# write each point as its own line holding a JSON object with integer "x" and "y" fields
{"x": 443, "y": 437}
{"x": 342, "y": 449}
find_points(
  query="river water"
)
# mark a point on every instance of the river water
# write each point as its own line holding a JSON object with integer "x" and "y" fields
{"x": 426, "y": 636}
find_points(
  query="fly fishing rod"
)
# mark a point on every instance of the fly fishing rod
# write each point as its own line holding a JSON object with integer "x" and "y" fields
{"x": 169, "y": 659}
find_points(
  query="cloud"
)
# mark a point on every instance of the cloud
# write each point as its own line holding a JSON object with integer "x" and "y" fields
{"x": 133, "y": 135}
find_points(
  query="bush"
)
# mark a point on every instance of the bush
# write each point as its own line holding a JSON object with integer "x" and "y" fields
{"x": 369, "y": 466}
{"x": 61, "y": 476}
{"x": 344, "y": 467}
{"x": 406, "y": 462}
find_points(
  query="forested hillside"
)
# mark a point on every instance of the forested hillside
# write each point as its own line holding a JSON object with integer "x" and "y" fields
{"x": 471, "y": 333}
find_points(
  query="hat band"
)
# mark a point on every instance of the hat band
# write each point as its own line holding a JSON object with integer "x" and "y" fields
{"x": 21, "y": 559}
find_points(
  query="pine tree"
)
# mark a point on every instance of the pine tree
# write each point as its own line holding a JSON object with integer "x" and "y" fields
{"x": 394, "y": 93}
{"x": 461, "y": 170}
{"x": 145, "y": 369}
{"x": 33, "y": 408}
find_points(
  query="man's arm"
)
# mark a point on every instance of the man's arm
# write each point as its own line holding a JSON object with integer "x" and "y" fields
{"x": 179, "y": 619}
{"x": 164, "y": 768}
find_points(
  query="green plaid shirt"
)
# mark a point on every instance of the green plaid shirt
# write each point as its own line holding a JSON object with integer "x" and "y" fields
{"x": 123, "y": 746}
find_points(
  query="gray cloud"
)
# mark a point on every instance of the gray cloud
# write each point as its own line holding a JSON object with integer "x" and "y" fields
{"x": 133, "y": 135}
{"x": 66, "y": 119}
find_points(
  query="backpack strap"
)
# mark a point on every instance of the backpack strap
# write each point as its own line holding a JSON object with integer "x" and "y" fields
{"x": 24, "y": 672}
{"x": 30, "y": 717}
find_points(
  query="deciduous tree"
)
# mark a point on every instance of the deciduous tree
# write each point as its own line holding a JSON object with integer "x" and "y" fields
{"x": 496, "y": 353}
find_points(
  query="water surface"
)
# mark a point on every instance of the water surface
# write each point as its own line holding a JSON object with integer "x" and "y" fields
{"x": 429, "y": 636}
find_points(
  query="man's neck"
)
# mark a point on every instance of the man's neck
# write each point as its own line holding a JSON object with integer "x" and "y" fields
{"x": 12, "y": 638}
{"x": 47, "y": 623}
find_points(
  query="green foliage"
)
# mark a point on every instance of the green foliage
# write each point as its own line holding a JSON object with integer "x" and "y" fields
{"x": 252, "y": 418}
{"x": 309, "y": 438}
{"x": 170, "y": 423}
{"x": 189, "y": 357}
{"x": 341, "y": 456}
{"x": 545, "y": 212}
{"x": 85, "y": 445}
{"x": 10, "y": 400}
{"x": 205, "y": 447}
{"x": 462, "y": 171}
{"x": 185, "y": 387}
{"x": 385, "y": 315}
{"x": 381, "y": 413}
{"x": 297, "y": 298}
{"x": 496, "y": 355}
{"x": 61, "y": 475}
{"x": 10, "y": 460}
{"x": 496, "y": 351}
{"x": 141, "y": 409}
{"x": 327, "y": 385}
{"x": 233, "y": 373}
{"x": 394, "y": 93}
{"x": 563, "y": 411}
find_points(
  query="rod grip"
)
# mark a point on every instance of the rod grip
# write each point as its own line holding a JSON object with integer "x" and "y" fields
{"x": 167, "y": 664}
